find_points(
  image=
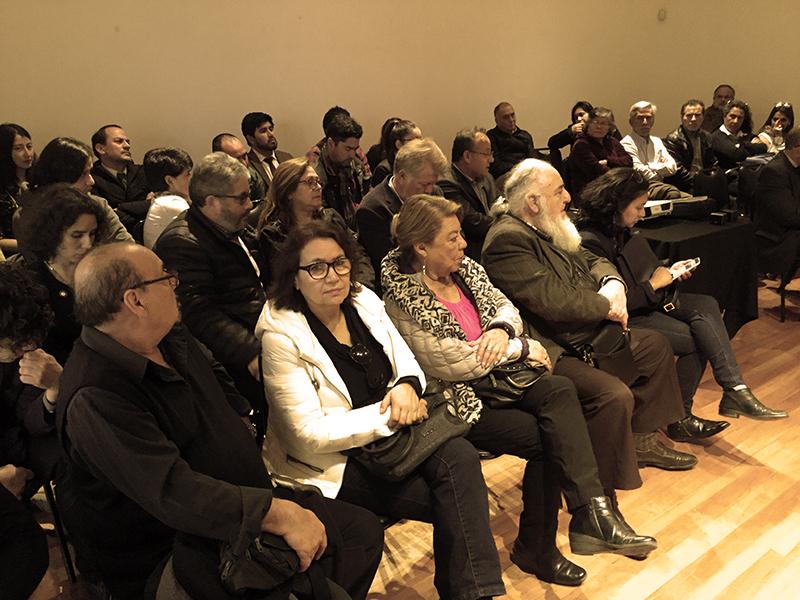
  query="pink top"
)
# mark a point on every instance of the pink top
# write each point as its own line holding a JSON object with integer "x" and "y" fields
{"x": 466, "y": 314}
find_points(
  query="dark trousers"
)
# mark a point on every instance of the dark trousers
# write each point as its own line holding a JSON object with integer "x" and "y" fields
{"x": 447, "y": 490}
{"x": 697, "y": 335}
{"x": 23, "y": 549}
{"x": 613, "y": 411}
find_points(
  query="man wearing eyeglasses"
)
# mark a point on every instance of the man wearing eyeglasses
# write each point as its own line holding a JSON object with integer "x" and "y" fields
{"x": 159, "y": 465}
{"x": 469, "y": 183}
{"x": 221, "y": 293}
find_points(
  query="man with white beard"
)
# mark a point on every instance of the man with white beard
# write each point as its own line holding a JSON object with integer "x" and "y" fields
{"x": 565, "y": 294}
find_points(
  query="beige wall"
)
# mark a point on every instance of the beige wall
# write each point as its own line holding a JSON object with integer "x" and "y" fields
{"x": 176, "y": 73}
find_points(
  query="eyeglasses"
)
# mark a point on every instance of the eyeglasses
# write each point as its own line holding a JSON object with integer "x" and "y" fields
{"x": 242, "y": 198}
{"x": 312, "y": 182}
{"x": 171, "y": 276}
{"x": 320, "y": 270}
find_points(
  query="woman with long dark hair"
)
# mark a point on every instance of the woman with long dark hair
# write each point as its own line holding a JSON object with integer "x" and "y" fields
{"x": 16, "y": 159}
{"x": 779, "y": 122}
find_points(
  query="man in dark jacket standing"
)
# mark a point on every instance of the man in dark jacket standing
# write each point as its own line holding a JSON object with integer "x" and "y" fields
{"x": 564, "y": 293}
{"x": 117, "y": 178}
{"x": 159, "y": 461}
{"x": 215, "y": 254}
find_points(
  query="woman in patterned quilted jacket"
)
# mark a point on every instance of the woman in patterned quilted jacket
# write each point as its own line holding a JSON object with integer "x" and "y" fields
{"x": 459, "y": 327}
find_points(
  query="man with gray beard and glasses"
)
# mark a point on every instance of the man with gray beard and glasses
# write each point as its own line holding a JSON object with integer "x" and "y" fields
{"x": 564, "y": 294}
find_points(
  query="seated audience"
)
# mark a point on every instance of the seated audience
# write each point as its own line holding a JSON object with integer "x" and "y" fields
{"x": 697, "y": 170}
{"x": 233, "y": 147}
{"x": 168, "y": 171}
{"x": 779, "y": 121}
{"x": 777, "y": 217}
{"x": 117, "y": 178}
{"x": 258, "y": 129}
{"x": 565, "y": 295}
{"x": 650, "y": 157}
{"x": 16, "y": 159}
{"x": 417, "y": 167}
{"x": 342, "y": 175}
{"x": 313, "y": 153}
{"x": 377, "y": 152}
{"x": 216, "y": 255}
{"x": 152, "y": 430}
{"x": 402, "y": 132}
{"x": 510, "y": 144}
{"x": 67, "y": 160}
{"x": 56, "y": 231}
{"x": 733, "y": 142}
{"x": 723, "y": 94}
{"x": 612, "y": 204}
{"x": 294, "y": 200}
{"x": 595, "y": 151}
{"x": 567, "y": 136}
{"x": 339, "y": 376}
{"x": 459, "y": 327}
{"x": 468, "y": 182}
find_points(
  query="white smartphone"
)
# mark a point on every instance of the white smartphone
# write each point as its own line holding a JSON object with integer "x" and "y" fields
{"x": 686, "y": 266}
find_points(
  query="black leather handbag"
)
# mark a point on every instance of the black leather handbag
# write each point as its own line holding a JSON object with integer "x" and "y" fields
{"x": 395, "y": 457}
{"x": 506, "y": 384}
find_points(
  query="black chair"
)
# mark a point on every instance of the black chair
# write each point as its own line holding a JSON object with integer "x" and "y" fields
{"x": 786, "y": 278}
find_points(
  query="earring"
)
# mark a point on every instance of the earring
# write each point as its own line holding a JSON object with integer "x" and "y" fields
{"x": 424, "y": 270}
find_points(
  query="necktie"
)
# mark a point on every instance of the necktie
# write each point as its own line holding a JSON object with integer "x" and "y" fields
{"x": 123, "y": 181}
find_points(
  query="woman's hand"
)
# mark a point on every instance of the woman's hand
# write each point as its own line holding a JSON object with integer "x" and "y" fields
{"x": 661, "y": 278}
{"x": 491, "y": 347}
{"x": 407, "y": 407}
{"x": 538, "y": 355}
{"x": 577, "y": 128}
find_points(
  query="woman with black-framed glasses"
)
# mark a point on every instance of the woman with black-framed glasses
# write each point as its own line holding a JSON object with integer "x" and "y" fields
{"x": 338, "y": 376}
{"x": 294, "y": 199}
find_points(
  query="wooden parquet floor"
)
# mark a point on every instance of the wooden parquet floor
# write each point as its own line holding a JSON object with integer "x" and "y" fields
{"x": 730, "y": 528}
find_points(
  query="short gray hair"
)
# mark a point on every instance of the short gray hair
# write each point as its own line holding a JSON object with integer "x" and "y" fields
{"x": 524, "y": 178}
{"x": 99, "y": 297}
{"x": 641, "y": 105}
{"x": 414, "y": 155}
{"x": 214, "y": 174}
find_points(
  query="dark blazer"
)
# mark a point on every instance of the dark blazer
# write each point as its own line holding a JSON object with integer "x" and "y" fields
{"x": 257, "y": 166}
{"x": 476, "y": 219}
{"x": 731, "y": 151}
{"x": 129, "y": 201}
{"x": 555, "y": 291}
{"x": 678, "y": 145}
{"x": 778, "y": 215}
{"x": 220, "y": 293}
{"x": 374, "y": 221}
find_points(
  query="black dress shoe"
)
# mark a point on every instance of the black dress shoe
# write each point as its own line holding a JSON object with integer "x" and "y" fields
{"x": 596, "y": 527}
{"x": 555, "y": 568}
{"x": 692, "y": 429}
{"x": 742, "y": 402}
{"x": 650, "y": 452}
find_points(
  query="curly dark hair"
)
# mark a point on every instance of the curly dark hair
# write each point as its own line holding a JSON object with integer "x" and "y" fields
{"x": 609, "y": 194}
{"x": 25, "y": 316}
{"x": 48, "y": 213}
{"x": 282, "y": 291}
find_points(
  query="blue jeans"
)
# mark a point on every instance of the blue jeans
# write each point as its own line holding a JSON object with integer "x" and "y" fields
{"x": 447, "y": 490}
{"x": 697, "y": 335}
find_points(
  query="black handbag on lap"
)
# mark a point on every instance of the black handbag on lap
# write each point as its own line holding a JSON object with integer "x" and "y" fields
{"x": 506, "y": 384}
{"x": 395, "y": 457}
{"x": 610, "y": 351}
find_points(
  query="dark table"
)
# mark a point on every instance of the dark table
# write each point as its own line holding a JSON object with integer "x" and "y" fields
{"x": 728, "y": 270}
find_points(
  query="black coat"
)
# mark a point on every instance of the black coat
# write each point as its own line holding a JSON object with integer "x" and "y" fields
{"x": 678, "y": 145}
{"x": 476, "y": 219}
{"x": 220, "y": 293}
{"x": 731, "y": 151}
{"x": 509, "y": 149}
{"x": 778, "y": 215}
{"x": 129, "y": 201}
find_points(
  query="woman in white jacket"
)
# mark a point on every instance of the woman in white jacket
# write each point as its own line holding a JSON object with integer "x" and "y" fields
{"x": 338, "y": 376}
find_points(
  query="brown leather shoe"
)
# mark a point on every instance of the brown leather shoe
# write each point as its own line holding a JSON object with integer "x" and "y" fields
{"x": 650, "y": 452}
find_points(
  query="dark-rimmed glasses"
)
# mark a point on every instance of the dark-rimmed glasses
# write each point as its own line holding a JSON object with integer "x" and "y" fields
{"x": 320, "y": 270}
{"x": 171, "y": 276}
{"x": 242, "y": 198}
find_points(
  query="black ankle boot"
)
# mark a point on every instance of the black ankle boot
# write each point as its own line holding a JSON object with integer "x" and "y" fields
{"x": 551, "y": 566}
{"x": 597, "y": 527}
{"x": 742, "y": 402}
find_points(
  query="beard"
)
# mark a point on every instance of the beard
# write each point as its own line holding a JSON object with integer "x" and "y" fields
{"x": 563, "y": 231}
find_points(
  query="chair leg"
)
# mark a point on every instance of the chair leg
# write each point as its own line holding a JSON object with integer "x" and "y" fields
{"x": 62, "y": 536}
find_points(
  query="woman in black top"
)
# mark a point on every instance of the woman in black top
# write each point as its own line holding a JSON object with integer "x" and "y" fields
{"x": 16, "y": 159}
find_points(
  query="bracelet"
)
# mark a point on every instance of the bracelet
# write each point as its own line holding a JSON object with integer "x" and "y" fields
{"x": 526, "y": 348}
{"x": 504, "y": 326}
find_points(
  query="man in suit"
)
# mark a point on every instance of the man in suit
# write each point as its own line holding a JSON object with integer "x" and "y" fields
{"x": 468, "y": 182}
{"x": 117, "y": 178}
{"x": 258, "y": 129}
{"x": 417, "y": 167}
{"x": 778, "y": 211}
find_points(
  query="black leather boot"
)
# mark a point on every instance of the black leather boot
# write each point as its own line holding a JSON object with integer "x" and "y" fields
{"x": 535, "y": 550}
{"x": 692, "y": 429}
{"x": 650, "y": 452}
{"x": 596, "y": 528}
{"x": 742, "y": 402}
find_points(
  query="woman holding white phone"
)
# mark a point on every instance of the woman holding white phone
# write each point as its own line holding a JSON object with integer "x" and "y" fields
{"x": 612, "y": 205}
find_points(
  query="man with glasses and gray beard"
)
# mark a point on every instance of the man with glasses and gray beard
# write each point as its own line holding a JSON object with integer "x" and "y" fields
{"x": 564, "y": 294}
{"x": 216, "y": 255}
